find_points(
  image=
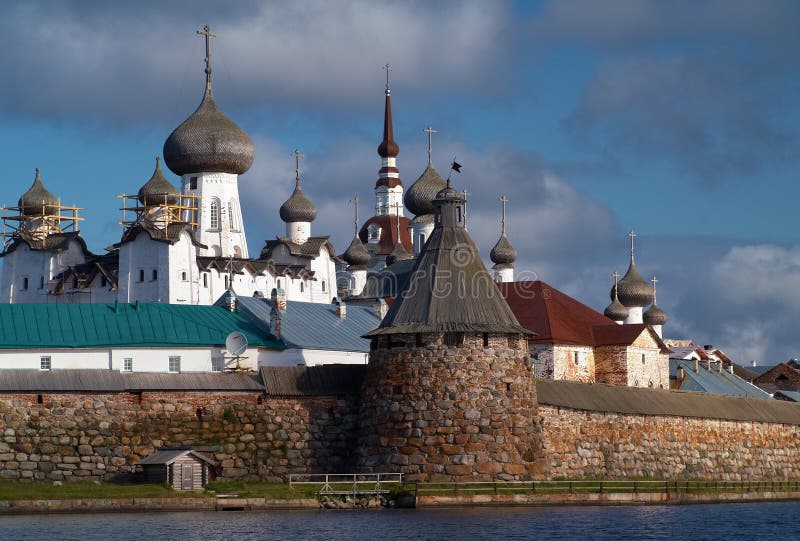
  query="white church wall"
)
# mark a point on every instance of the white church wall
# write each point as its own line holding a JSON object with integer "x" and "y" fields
{"x": 143, "y": 266}
{"x": 221, "y": 230}
{"x": 310, "y": 357}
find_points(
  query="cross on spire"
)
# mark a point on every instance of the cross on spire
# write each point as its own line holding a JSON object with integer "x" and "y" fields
{"x": 398, "y": 206}
{"x": 632, "y": 235}
{"x": 208, "y": 35}
{"x": 503, "y": 201}
{"x": 388, "y": 68}
{"x": 297, "y": 157}
{"x": 465, "y": 193}
{"x": 430, "y": 131}
{"x": 615, "y": 274}
{"x": 354, "y": 200}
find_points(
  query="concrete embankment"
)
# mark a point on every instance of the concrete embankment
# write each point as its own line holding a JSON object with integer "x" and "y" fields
{"x": 113, "y": 505}
{"x": 654, "y": 498}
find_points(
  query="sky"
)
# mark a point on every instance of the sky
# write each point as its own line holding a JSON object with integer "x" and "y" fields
{"x": 678, "y": 120}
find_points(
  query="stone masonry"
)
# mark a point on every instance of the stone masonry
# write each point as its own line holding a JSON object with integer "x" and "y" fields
{"x": 73, "y": 436}
{"x": 599, "y": 445}
{"x": 455, "y": 413}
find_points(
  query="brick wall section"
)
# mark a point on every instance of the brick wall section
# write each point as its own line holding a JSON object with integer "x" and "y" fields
{"x": 438, "y": 412}
{"x": 595, "y": 445}
{"x": 102, "y": 436}
{"x": 554, "y": 361}
{"x": 622, "y": 365}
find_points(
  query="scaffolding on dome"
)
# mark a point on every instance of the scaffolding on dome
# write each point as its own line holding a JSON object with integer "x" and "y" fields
{"x": 176, "y": 208}
{"x": 35, "y": 228}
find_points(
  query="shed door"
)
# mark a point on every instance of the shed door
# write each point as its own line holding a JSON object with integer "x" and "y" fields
{"x": 187, "y": 477}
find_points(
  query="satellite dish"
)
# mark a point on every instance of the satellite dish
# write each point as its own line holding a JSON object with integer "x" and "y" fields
{"x": 236, "y": 343}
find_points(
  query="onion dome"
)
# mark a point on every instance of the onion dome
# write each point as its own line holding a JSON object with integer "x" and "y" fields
{"x": 448, "y": 192}
{"x": 419, "y": 197}
{"x": 633, "y": 289}
{"x": 208, "y": 141}
{"x": 503, "y": 253}
{"x": 399, "y": 253}
{"x": 356, "y": 255}
{"x": 616, "y": 310}
{"x": 655, "y": 315}
{"x": 158, "y": 189}
{"x": 298, "y": 208}
{"x": 37, "y": 200}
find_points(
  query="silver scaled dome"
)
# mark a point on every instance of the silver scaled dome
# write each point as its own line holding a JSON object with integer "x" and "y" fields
{"x": 503, "y": 253}
{"x": 158, "y": 190}
{"x": 37, "y": 201}
{"x": 298, "y": 208}
{"x": 655, "y": 315}
{"x": 356, "y": 255}
{"x": 208, "y": 142}
{"x": 398, "y": 253}
{"x": 419, "y": 197}
{"x": 634, "y": 291}
{"x": 616, "y": 310}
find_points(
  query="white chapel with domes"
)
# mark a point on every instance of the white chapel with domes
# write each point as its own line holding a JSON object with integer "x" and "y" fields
{"x": 182, "y": 245}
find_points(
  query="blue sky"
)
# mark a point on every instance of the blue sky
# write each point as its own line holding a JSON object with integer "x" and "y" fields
{"x": 678, "y": 120}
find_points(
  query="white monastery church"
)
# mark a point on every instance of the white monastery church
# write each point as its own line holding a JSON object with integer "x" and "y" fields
{"x": 179, "y": 246}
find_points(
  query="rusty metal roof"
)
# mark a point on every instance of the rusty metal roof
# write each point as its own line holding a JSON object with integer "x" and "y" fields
{"x": 639, "y": 401}
{"x": 320, "y": 380}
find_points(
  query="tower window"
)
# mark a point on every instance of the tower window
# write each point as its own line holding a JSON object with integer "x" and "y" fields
{"x": 45, "y": 363}
{"x": 205, "y": 279}
{"x": 279, "y": 283}
{"x": 227, "y": 282}
{"x": 141, "y": 275}
{"x": 24, "y": 283}
{"x": 41, "y": 282}
{"x": 103, "y": 281}
{"x": 155, "y": 274}
{"x": 74, "y": 282}
{"x": 323, "y": 286}
{"x": 214, "y": 213}
{"x": 193, "y": 183}
{"x": 458, "y": 214}
{"x": 232, "y": 217}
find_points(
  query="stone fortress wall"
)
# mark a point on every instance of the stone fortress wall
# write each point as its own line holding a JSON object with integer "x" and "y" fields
{"x": 100, "y": 436}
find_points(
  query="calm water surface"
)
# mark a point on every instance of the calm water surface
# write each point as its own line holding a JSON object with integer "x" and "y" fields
{"x": 723, "y": 521}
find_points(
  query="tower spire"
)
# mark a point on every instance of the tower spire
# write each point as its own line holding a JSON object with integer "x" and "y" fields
{"x": 632, "y": 235}
{"x": 615, "y": 274}
{"x": 655, "y": 281}
{"x": 297, "y": 155}
{"x": 430, "y": 131}
{"x": 206, "y": 32}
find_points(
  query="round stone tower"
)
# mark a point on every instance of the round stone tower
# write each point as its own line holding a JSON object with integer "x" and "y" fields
{"x": 449, "y": 393}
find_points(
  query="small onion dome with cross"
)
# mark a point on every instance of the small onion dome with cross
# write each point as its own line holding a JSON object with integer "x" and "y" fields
{"x": 208, "y": 141}
{"x": 158, "y": 190}
{"x": 38, "y": 201}
{"x": 503, "y": 253}
{"x": 419, "y": 197}
{"x": 398, "y": 253}
{"x": 356, "y": 255}
{"x": 655, "y": 315}
{"x": 633, "y": 290}
{"x": 616, "y": 310}
{"x": 298, "y": 208}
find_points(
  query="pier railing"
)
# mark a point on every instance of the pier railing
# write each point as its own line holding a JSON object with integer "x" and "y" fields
{"x": 600, "y": 487}
{"x": 348, "y": 484}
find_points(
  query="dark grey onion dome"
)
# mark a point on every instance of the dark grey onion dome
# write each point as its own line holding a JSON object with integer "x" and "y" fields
{"x": 616, "y": 310}
{"x": 158, "y": 190}
{"x": 208, "y": 142}
{"x": 419, "y": 197}
{"x": 399, "y": 253}
{"x": 503, "y": 253}
{"x": 655, "y": 315}
{"x": 298, "y": 208}
{"x": 37, "y": 200}
{"x": 633, "y": 290}
{"x": 356, "y": 255}
{"x": 448, "y": 193}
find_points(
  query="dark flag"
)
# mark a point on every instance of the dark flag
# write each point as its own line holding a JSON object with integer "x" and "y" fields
{"x": 456, "y": 166}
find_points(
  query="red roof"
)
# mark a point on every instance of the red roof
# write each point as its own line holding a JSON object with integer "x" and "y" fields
{"x": 388, "y": 239}
{"x": 557, "y": 318}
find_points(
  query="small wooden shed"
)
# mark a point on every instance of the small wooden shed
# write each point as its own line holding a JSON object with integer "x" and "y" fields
{"x": 183, "y": 469}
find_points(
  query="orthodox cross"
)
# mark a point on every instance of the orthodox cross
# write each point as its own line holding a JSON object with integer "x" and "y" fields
{"x": 208, "y": 35}
{"x": 503, "y": 201}
{"x": 465, "y": 193}
{"x": 355, "y": 205}
{"x": 297, "y": 157}
{"x": 655, "y": 281}
{"x": 615, "y": 274}
{"x": 632, "y": 235}
{"x": 398, "y": 206}
{"x": 430, "y": 131}
{"x": 388, "y": 69}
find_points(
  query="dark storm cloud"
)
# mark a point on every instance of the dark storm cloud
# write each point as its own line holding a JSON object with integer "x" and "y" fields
{"x": 136, "y": 63}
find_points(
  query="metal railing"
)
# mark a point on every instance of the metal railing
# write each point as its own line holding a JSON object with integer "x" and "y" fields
{"x": 348, "y": 484}
{"x": 600, "y": 487}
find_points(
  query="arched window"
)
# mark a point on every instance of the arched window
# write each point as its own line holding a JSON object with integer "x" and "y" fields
{"x": 302, "y": 286}
{"x": 237, "y": 252}
{"x": 214, "y": 213}
{"x": 373, "y": 232}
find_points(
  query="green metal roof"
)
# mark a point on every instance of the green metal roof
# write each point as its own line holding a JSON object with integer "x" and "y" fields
{"x": 24, "y": 326}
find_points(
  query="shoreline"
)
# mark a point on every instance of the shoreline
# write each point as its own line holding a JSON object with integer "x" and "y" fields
{"x": 149, "y": 505}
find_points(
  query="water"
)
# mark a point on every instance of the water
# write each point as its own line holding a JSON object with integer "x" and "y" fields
{"x": 779, "y": 520}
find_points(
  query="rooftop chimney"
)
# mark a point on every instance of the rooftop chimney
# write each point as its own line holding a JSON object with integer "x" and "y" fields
{"x": 696, "y": 365}
{"x": 708, "y": 365}
{"x": 380, "y": 309}
{"x": 278, "y": 298}
{"x": 341, "y": 307}
{"x": 730, "y": 368}
{"x": 719, "y": 367}
{"x": 681, "y": 373}
{"x": 708, "y": 347}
